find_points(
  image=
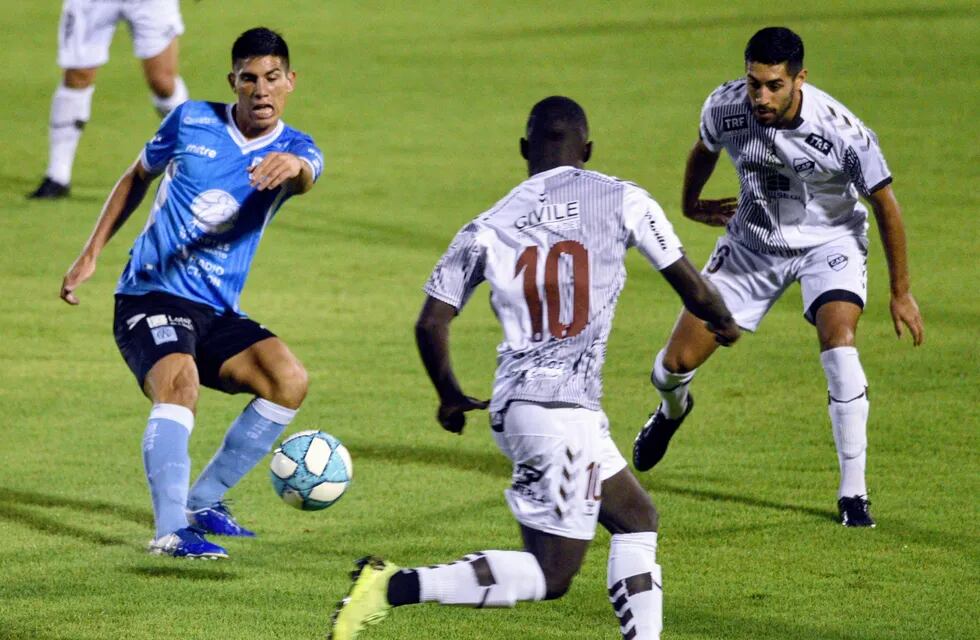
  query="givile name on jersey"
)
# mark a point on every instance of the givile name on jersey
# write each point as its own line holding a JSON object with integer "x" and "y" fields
{"x": 564, "y": 212}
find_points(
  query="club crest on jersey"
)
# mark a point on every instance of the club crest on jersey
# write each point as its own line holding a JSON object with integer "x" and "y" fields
{"x": 821, "y": 144}
{"x": 734, "y": 123}
{"x": 803, "y": 166}
{"x": 837, "y": 261}
{"x": 215, "y": 211}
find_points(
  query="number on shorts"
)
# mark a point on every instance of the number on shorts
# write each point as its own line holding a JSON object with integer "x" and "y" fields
{"x": 593, "y": 488}
{"x": 528, "y": 263}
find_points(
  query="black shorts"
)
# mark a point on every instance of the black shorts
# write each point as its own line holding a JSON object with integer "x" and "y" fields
{"x": 154, "y": 325}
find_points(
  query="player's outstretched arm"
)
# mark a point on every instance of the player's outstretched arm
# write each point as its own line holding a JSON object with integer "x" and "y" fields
{"x": 703, "y": 300}
{"x": 125, "y": 197}
{"x": 904, "y": 309}
{"x": 700, "y": 165}
{"x": 432, "y": 338}
{"x": 277, "y": 169}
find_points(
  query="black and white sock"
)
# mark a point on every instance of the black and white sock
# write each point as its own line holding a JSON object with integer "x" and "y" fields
{"x": 635, "y": 585}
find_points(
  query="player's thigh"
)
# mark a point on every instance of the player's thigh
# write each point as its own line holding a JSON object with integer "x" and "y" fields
{"x": 834, "y": 272}
{"x": 241, "y": 355}
{"x": 626, "y": 506}
{"x": 85, "y": 32}
{"x": 749, "y": 282}
{"x": 154, "y": 25}
{"x": 557, "y": 457}
{"x": 153, "y": 327}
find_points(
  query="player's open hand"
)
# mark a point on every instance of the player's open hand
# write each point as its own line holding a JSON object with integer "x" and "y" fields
{"x": 905, "y": 310}
{"x": 452, "y": 414}
{"x": 726, "y": 334}
{"x": 274, "y": 170}
{"x": 715, "y": 213}
{"x": 79, "y": 272}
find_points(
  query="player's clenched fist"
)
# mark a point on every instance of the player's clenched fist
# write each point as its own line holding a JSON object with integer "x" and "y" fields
{"x": 274, "y": 170}
{"x": 79, "y": 272}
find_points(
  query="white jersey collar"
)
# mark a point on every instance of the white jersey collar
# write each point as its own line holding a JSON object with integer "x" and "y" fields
{"x": 246, "y": 145}
{"x": 554, "y": 171}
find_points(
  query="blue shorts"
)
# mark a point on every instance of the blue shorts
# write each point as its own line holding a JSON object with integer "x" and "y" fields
{"x": 153, "y": 325}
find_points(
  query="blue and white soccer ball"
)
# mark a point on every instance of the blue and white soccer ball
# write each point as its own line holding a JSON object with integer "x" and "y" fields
{"x": 311, "y": 470}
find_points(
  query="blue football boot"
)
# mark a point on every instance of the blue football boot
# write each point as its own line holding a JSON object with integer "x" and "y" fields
{"x": 217, "y": 520}
{"x": 186, "y": 543}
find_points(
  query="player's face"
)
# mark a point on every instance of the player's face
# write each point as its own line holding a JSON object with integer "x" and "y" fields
{"x": 262, "y": 84}
{"x": 773, "y": 92}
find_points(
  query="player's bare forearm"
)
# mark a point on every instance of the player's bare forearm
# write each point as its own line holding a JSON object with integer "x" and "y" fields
{"x": 888, "y": 215}
{"x": 904, "y": 308}
{"x": 432, "y": 338}
{"x": 701, "y": 163}
{"x": 125, "y": 197}
{"x": 702, "y": 299}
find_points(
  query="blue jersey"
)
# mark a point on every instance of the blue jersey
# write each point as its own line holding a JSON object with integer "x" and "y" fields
{"x": 206, "y": 220}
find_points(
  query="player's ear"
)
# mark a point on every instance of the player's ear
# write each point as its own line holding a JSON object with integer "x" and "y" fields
{"x": 524, "y": 148}
{"x": 800, "y": 78}
{"x": 291, "y": 81}
{"x": 588, "y": 152}
{"x": 231, "y": 80}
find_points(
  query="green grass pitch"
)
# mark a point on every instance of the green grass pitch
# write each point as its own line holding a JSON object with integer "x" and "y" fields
{"x": 418, "y": 107}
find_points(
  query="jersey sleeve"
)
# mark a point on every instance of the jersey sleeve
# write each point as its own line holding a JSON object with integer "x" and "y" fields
{"x": 307, "y": 151}
{"x": 707, "y": 130}
{"x": 460, "y": 270}
{"x": 158, "y": 152}
{"x": 650, "y": 231}
{"x": 864, "y": 163}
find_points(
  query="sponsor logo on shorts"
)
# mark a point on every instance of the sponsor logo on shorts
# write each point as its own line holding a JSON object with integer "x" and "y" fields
{"x": 163, "y": 320}
{"x": 164, "y": 334}
{"x": 837, "y": 261}
{"x": 821, "y": 144}
{"x": 156, "y": 321}
{"x": 734, "y": 123}
{"x": 133, "y": 321}
{"x": 529, "y": 481}
{"x": 803, "y": 166}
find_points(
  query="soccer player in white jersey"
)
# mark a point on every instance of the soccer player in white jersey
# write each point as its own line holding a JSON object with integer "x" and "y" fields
{"x": 803, "y": 161}
{"x": 227, "y": 169}
{"x": 552, "y": 251}
{"x": 84, "y": 35}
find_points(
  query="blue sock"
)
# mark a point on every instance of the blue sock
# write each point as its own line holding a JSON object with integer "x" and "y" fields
{"x": 167, "y": 464}
{"x": 250, "y": 437}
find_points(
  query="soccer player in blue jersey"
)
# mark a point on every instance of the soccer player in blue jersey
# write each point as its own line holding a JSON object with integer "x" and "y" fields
{"x": 227, "y": 168}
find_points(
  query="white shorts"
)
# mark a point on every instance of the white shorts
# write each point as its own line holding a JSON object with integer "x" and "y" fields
{"x": 87, "y": 26}
{"x": 561, "y": 458}
{"x": 750, "y": 282}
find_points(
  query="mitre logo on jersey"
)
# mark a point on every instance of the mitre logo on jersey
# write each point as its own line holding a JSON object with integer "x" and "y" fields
{"x": 562, "y": 212}
{"x": 837, "y": 261}
{"x": 215, "y": 211}
{"x": 803, "y": 166}
{"x": 821, "y": 144}
{"x": 201, "y": 150}
{"x": 734, "y": 123}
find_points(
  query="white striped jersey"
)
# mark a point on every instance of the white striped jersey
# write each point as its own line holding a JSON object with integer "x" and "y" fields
{"x": 800, "y": 185}
{"x": 553, "y": 251}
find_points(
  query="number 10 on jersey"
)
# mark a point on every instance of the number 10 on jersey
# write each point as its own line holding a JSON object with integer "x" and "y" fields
{"x": 527, "y": 263}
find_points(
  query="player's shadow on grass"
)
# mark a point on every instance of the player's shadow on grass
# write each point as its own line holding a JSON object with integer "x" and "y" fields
{"x": 491, "y": 463}
{"x": 719, "y": 496}
{"x": 184, "y": 571}
{"x": 24, "y": 507}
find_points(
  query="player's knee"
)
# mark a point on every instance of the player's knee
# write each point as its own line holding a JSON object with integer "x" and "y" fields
{"x": 557, "y": 585}
{"x": 834, "y": 337}
{"x": 679, "y": 361}
{"x": 290, "y": 385}
{"x": 79, "y": 78}
{"x": 162, "y": 83}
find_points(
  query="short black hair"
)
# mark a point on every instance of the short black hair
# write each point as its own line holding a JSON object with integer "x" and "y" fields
{"x": 775, "y": 45}
{"x": 554, "y": 118}
{"x": 258, "y": 42}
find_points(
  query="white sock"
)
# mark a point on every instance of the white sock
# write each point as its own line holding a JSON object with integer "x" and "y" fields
{"x": 848, "y": 408}
{"x": 70, "y": 111}
{"x": 174, "y": 100}
{"x": 484, "y": 579}
{"x": 671, "y": 386}
{"x": 635, "y": 585}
